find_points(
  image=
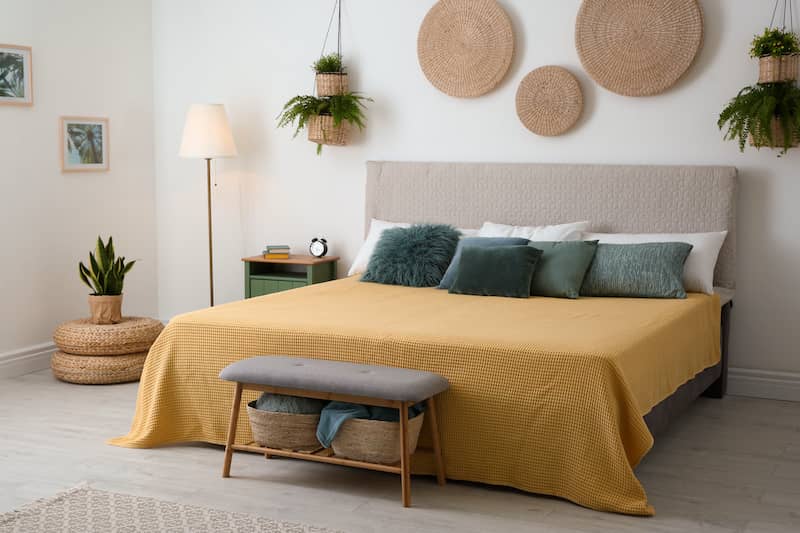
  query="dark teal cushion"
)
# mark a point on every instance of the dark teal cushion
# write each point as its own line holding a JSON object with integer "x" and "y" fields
{"x": 496, "y": 271}
{"x": 650, "y": 270}
{"x": 484, "y": 242}
{"x": 562, "y": 267}
{"x": 416, "y": 256}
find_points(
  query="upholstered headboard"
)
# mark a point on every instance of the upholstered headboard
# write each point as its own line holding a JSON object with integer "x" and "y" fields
{"x": 631, "y": 199}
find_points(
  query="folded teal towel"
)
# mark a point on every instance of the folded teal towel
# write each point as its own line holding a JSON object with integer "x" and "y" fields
{"x": 335, "y": 414}
{"x": 278, "y": 403}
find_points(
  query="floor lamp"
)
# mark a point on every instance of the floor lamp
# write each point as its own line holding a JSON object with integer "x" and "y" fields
{"x": 207, "y": 135}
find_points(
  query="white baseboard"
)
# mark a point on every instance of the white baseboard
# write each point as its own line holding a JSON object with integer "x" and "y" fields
{"x": 764, "y": 384}
{"x": 26, "y": 360}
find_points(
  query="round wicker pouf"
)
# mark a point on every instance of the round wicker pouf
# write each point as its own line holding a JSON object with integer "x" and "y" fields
{"x": 101, "y": 354}
{"x": 133, "y": 334}
{"x": 97, "y": 369}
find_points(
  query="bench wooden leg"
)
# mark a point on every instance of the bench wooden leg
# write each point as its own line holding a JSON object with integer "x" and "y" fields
{"x": 437, "y": 445}
{"x": 405, "y": 459}
{"x": 237, "y": 400}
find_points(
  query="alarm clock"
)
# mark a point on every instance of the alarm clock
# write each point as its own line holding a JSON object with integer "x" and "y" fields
{"x": 318, "y": 247}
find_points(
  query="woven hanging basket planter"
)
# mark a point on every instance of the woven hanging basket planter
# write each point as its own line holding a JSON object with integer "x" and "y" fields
{"x": 778, "y": 69}
{"x": 549, "y": 101}
{"x": 97, "y": 369}
{"x": 465, "y": 47}
{"x": 777, "y": 137}
{"x": 375, "y": 441}
{"x": 322, "y": 130}
{"x": 635, "y": 47}
{"x": 332, "y": 83}
{"x": 285, "y": 431}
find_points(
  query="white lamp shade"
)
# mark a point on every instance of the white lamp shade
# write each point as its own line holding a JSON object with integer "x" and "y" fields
{"x": 207, "y": 134}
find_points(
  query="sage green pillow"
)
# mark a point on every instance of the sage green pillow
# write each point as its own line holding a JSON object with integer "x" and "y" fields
{"x": 562, "y": 267}
{"x": 650, "y": 270}
{"x": 496, "y": 271}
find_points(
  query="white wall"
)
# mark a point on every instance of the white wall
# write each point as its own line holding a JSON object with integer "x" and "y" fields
{"x": 90, "y": 57}
{"x": 253, "y": 55}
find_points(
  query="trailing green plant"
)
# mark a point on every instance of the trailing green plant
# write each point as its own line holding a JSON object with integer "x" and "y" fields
{"x": 752, "y": 111}
{"x": 775, "y": 42}
{"x": 106, "y": 273}
{"x": 329, "y": 64}
{"x": 347, "y": 107}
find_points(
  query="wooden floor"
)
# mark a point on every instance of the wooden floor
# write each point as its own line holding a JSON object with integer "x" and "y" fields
{"x": 730, "y": 465}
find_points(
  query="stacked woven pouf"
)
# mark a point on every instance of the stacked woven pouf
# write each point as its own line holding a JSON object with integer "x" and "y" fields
{"x": 92, "y": 354}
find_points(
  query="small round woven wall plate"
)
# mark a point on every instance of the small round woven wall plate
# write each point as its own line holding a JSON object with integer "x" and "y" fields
{"x": 465, "y": 46}
{"x": 549, "y": 101}
{"x": 638, "y": 47}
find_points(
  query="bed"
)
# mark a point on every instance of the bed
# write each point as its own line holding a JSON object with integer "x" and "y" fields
{"x": 549, "y": 396}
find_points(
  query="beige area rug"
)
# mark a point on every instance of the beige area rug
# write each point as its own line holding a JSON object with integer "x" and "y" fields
{"x": 84, "y": 510}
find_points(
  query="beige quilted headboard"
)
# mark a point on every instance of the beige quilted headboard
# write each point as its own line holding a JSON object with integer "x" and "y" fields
{"x": 630, "y": 199}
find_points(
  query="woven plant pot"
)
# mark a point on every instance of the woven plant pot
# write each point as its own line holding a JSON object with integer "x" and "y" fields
{"x": 777, "y": 69}
{"x": 96, "y": 369}
{"x": 321, "y": 130}
{"x": 375, "y": 441}
{"x": 105, "y": 309}
{"x": 283, "y": 430}
{"x": 777, "y": 137}
{"x": 332, "y": 83}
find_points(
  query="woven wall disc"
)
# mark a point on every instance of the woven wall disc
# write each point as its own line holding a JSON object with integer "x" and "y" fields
{"x": 465, "y": 46}
{"x": 549, "y": 101}
{"x": 638, "y": 47}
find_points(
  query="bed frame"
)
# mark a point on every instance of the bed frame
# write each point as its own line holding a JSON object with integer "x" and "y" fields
{"x": 615, "y": 198}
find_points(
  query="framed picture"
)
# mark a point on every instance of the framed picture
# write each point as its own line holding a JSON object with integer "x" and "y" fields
{"x": 84, "y": 144}
{"x": 16, "y": 75}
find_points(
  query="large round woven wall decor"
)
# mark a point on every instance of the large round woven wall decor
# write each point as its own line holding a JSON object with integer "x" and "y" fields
{"x": 549, "y": 101}
{"x": 465, "y": 46}
{"x": 638, "y": 47}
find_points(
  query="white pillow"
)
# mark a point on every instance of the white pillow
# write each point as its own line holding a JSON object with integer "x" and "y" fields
{"x": 698, "y": 271}
{"x": 376, "y": 229}
{"x": 559, "y": 232}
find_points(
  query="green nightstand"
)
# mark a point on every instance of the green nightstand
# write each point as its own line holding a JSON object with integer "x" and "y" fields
{"x": 265, "y": 276}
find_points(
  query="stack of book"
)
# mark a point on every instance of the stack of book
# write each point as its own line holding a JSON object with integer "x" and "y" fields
{"x": 278, "y": 251}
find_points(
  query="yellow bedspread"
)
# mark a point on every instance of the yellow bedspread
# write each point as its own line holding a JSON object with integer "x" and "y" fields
{"x": 546, "y": 395}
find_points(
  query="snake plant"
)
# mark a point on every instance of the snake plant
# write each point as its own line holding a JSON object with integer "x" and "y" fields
{"x": 106, "y": 273}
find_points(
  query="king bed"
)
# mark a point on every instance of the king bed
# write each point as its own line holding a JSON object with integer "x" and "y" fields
{"x": 551, "y": 396}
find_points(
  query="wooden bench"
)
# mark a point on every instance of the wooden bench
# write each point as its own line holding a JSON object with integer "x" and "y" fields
{"x": 372, "y": 385}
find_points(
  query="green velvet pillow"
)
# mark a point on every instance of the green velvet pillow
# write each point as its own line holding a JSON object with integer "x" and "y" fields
{"x": 562, "y": 267}
{"x": 650, "y": 270}
{"x": 496, "y": 271}
{"x": 417, "y": 256}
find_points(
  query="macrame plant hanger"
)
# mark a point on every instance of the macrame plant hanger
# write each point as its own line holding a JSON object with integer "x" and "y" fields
{"x": 787, "y": 11}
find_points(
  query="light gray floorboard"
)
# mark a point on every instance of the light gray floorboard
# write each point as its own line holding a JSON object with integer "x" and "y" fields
{"x": 730, "y": 465}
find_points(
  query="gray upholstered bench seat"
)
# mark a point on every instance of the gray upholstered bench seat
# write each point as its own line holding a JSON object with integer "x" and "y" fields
{"x": 369, "y": 381}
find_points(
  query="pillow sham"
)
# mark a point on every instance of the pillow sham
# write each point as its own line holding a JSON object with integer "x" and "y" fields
{"x": 559, "y": 232}
{"x": 651, "y": 270}
{"x": 496, "y": 271}
{"x": 416, "y": 256}
{"x": 698, "y": 272}
{"x": 479, "y": 242}
{"x": 376, "y": 229}
{"x": 562, "y": 268}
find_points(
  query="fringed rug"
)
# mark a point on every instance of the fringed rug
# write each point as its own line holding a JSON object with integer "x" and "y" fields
{"x": 85, "y": 510}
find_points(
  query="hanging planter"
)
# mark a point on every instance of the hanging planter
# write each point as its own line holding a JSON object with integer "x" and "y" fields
{"x": 776, "y": 138}
{"x": 334, "y": 110}
{"x": 331, "y": 78}
{"x": 778, "y": 53}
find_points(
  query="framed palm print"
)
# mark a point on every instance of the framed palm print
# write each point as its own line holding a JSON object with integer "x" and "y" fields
{"x": 16, "y": 75}
{"x": 84, "y": 144}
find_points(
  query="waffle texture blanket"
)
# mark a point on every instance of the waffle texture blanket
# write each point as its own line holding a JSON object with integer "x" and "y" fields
{"x": 546, "y": 395}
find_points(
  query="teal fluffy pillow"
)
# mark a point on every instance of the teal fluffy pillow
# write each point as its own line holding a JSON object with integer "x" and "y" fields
{"x": 417, "y": 256}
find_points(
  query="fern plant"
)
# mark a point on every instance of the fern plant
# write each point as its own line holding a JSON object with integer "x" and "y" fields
{"x": 329, "y": 64}
{"x": 752, "y": 111}
{"x": 347, "y": 107}
{"x": 106, "y": 273}
{"x": 774, "y": 42}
